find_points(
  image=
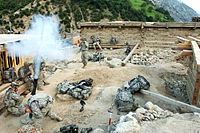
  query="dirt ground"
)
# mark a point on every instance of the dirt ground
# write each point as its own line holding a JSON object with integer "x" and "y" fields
{"x": 106, "y": 82}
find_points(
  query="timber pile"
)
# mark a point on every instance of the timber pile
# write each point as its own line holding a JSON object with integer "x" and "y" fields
{"x": 114, "y": 46}
{"x": 191, "y": 48}
{"x": 185, "y": 46}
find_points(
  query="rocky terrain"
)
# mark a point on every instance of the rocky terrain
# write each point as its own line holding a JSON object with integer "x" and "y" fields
{"x": 178, "y": 10}
{"x": 151, "y": 116}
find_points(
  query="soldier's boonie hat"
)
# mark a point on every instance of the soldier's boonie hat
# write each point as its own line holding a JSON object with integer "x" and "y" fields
{"x": 22, "y": 108}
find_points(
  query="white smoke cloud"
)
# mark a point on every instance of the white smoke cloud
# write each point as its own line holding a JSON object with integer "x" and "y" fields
{"x": 42, "y": 41}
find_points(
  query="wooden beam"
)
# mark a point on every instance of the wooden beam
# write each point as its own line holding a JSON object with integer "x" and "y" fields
{"x": 183, "y": 40}
{"x": 129, "y": 55}
{"x": 184, "y": 53}
{"x": 176, "y": 103}
{"x": 182, "y": 46}
{"x": 194, "y": 39}
{"x": 196, "y": 53}
{"x": 195, "y": 98}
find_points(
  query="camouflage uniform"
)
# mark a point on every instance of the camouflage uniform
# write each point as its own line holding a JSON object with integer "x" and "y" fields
{"x": 84, "y": 48}
{"x": 40, "y": 105}
{"x": 24, "y": 74}
{"x": 41, "y": 78}
{"x": 96, "y": 41}
{"x": 12, "y": 100}
{"x": 9, "y": 75}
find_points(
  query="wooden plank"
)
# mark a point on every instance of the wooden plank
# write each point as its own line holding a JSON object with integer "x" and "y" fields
{"x": 176, "y": 103}
{"x": 182, "y": 46}
{"x": 138, "y": 24}
{"x": 195, "y": 97}
{"x": 190, "y": 88}
{"x": 4, "y": 86}
{"x": 194, "y": 39}
{"x": 184, "y": 53}
{"x": 111, "y": 46}
{"x": 182, "y": 40}
{"x": 196, "y": 53}
{"x": 129, "y": 55}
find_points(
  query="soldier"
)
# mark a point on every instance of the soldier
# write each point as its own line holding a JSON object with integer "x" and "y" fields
{"x": 128, "y": 49}
{"x": 96, "y": 41}
{"x": 39, "y": 106}
{"x": 113, "y": 40}
{"x": 42, "y": 79}
{"x": 84, "y": 48}
{"x": 24, "y": 74}
{"x": 9, "y": 75}
{"x": 12, "y": 100}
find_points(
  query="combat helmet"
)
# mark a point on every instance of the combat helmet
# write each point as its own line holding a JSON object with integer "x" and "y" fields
{"x": 14, "y": 84}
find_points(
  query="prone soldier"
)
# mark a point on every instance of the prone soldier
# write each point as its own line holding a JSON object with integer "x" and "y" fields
{"x": 12, "y": 100}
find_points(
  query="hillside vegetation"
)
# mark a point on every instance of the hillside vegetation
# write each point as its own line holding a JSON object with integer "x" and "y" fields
{"x": 18, "y": 13}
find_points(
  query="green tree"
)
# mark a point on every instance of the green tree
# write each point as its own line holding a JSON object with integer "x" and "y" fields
{"x": 150, "y": 9}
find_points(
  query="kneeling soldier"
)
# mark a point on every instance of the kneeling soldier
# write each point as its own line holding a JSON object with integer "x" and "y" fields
{"x": 38, "y": 107}
{"x": 12, "y": 100}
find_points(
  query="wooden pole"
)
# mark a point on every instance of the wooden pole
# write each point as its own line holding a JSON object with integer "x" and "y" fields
{"x": 182, "y": 40}
{"x": 130, "y": 55}
{"x": 194, "y": 39}
{"x": 195, "y": 98}
{"x": 176, "y": 103}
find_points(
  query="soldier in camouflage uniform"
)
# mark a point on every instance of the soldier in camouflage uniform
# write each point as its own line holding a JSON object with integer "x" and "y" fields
{"x": 9, "y": 75}
{"x": 42, "y": 79}
{"x": 84, "y": 48}
{"x": 96, "y": 41}
{"x": 39, "y": 106}
{"x": 12, "y": 100}
{"x": 24, "y": 74}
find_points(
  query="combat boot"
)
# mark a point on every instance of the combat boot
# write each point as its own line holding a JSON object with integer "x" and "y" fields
{"x": 84, "y": 66}
{"x": 40, "y": 89}
{"x": 6, "y": 113}
{"x": 59, "y": 119}
{"x": 46, "y": 83}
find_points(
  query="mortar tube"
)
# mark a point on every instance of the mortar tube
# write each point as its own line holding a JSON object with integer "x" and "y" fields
{"x": 35, "y": 81}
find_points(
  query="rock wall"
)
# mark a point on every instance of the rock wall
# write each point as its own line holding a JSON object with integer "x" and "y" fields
{"x": 191, "y": 78}
{"x": 148, "y": 34}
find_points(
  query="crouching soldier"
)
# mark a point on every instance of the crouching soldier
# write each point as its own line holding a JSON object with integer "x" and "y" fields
{"x": 96, "y": 41}
{"x": 12, "y": 100}
{"x": 38, "y": 106}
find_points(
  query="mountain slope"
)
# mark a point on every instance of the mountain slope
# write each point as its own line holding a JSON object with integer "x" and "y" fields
{"x": 16, "y": 14}
{"x": 178, "y": 10}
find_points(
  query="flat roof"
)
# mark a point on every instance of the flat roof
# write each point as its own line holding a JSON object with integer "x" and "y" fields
{"x": 6, "y": 38}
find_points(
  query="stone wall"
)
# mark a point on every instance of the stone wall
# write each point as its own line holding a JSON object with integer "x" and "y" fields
{"x": 148, "y": 34}
{"x": 191, "y": 78}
